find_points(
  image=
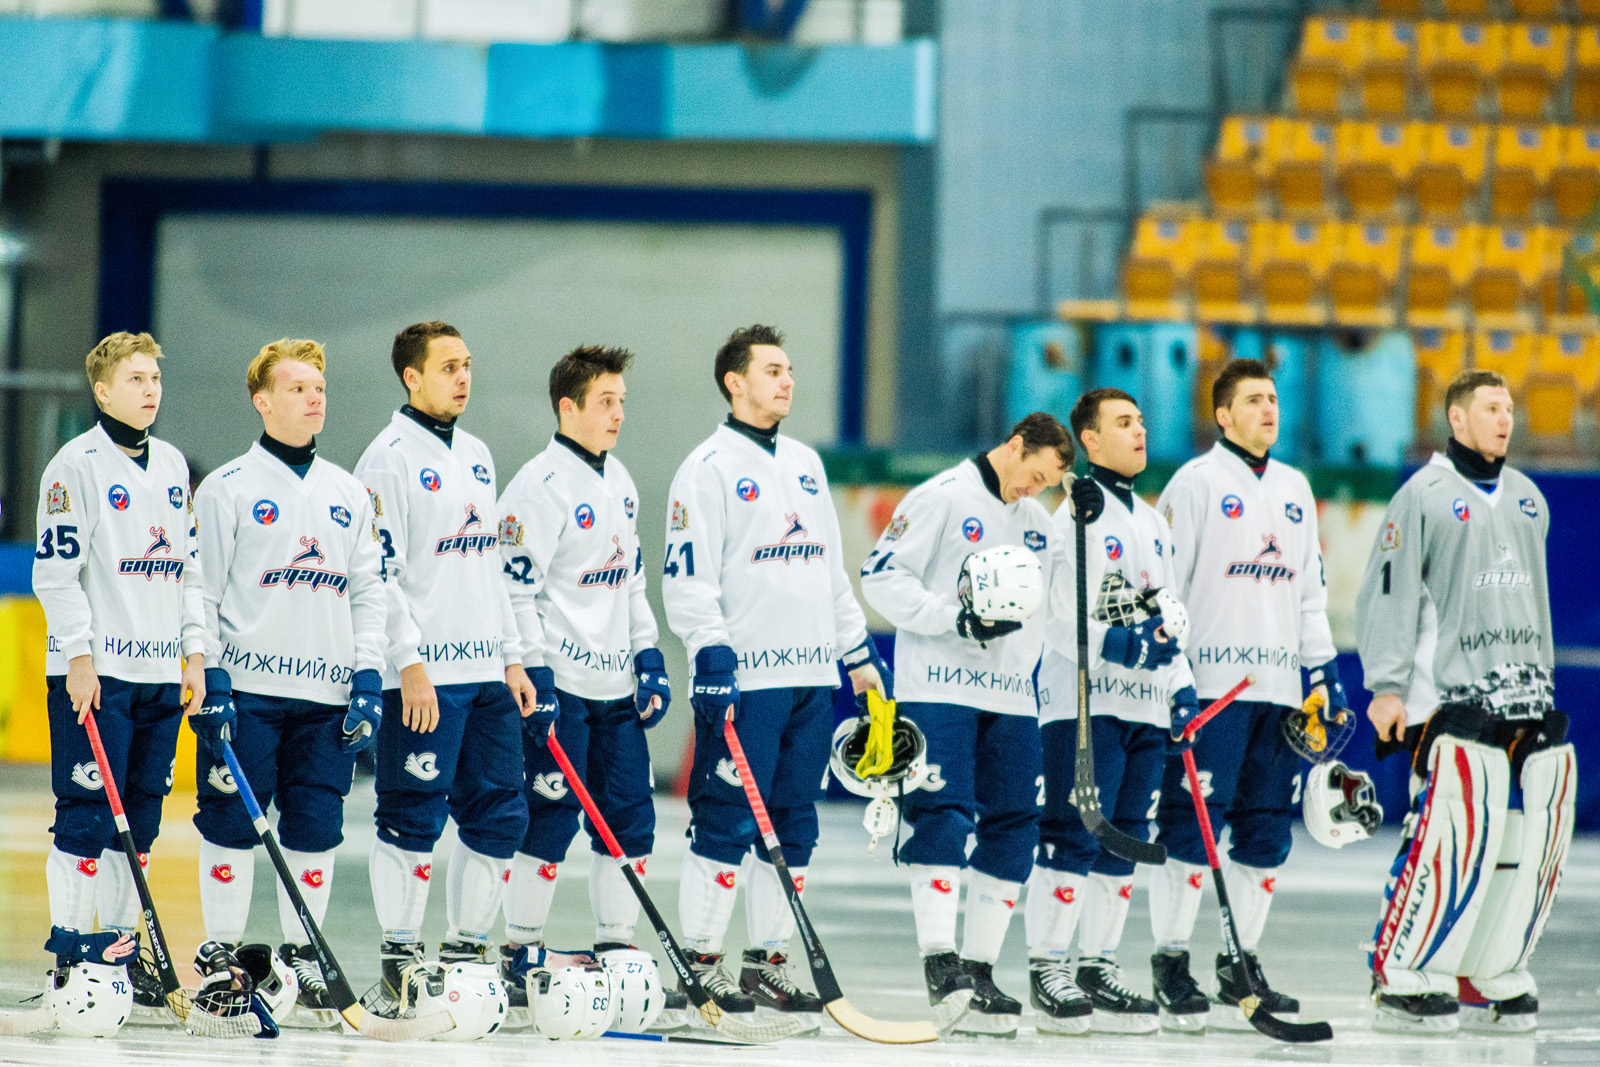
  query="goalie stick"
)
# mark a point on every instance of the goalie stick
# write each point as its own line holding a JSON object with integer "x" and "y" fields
{"x": 740, "y": 1029}
{"x": 344, "y": 999}
{"x": 193, "y": 1017}
{"x": 843, "y": 1012}
{"x": 1085, "y": 796}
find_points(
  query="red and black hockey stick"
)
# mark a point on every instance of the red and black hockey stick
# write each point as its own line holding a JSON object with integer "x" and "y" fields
{"x": 843, "y": 1012}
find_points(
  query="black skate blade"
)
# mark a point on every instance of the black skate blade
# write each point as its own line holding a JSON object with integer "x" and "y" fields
{"x": 1278, "y": 1029}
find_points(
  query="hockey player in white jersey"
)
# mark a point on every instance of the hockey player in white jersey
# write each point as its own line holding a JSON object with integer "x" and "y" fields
{"x": 295, "y": 612}
{"x": 570, "y": 543}
{"x": 1076, "y": 886}
{"x": 116, "y": 570}
{"x": 966, "y": 678}
{"x": 755, "y": 588}
{"x": 455, "y": 696}
{"x": 1454, "y": 632}
{"x": 1249, "y": 570}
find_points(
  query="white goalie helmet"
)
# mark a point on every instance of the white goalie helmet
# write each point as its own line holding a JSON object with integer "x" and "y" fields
{"x": 637, "y": 995}
{"x": 571, "y": 1003}
{"x": 1341, "y": 805}
{"x": 905, "y": 774}
{"x": 1119, "y": 604}
{"x": 1004, "y": 584}
{"x": 473, "y": 995}
{"x": 91, "y": 999}
{"x": 275, "y": 981}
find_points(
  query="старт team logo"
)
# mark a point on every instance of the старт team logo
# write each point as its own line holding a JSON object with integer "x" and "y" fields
{"x": 1034, "y": 540}
{"x": 339, "y": 514}
{"x": 1292, "y": 510}
{"x": 463, "y": 542}
{"x": 611, "y": 574}
{"x": 175, "y": 496}
{"x": 306, "y": 568}
{"x": 118, "y": 497}
{"x": 1264, "y": 566}
{"x": 1232, "y": 506}
{"x": 552, "y": 785}
{"x": 429, "y": 479}
{"x": 1113, "y": 548}
{"x": 221, "y": 779}
{"x": 789, "y": 549}
{"x": 150, "y": 565}
{"x": 972, "y": 529}
{"x": 424, "y": 766}
{"x": 585, "y": 516}
{"x": 480, "y": 472}
{"x": 1529, "y": 508}
{"x": 627, "y": 506}
{"x": 265, "y": 512}
{"x": 809, "y": 484}
{"x": 747, "y": 489}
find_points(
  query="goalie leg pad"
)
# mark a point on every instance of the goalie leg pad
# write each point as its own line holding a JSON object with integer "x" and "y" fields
{"x": 1050, "y": 916}
{"x": 1447, "y": 858}
{"x": 1518, "y": 898}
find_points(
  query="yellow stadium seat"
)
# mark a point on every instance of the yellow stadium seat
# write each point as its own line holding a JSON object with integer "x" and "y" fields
{"x": 1156, "y": 273}
{"x": 1330, "y": 49}
{"x": 1536, "y": 9}
{"x": 1510, "y": 352}
{"x": 1566, "y": 373}
{"x": 1386, "y": 76}
{"x": 1220, "y": 294}
{"x": 1575, "y": 182}
{"x": 1575, "y": 354}
{"x": 1563, "y": 302}
{"x": 1235, "y": 172}
{"x": 1586, "y": 74}
{"x": 1453, "y": 160}
{"x": 1510, "y": 263}
{"x": 1535, "y": 61}
{"x": 1290, "y": 263}
{"x": 1375, "y": 163}
{"x": 1588, "y": 10}
{"x": 1551, "y": 401}
{"x": 1455, "y": 58}
{"x": 1361, "y": 280}
{"x": 1524, "y": 158}
{"x": 1297, "y": 157}
{"x": 1441, "y": 355}
{"x": 1443, "y": 259}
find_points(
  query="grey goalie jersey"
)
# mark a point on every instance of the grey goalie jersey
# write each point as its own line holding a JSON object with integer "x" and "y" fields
{"x": 1455, "y": 604}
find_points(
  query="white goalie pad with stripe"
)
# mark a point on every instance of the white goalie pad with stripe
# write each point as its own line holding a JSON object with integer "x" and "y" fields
{"x": 1441, "y": 876}
{"x": 1519, "y": 896}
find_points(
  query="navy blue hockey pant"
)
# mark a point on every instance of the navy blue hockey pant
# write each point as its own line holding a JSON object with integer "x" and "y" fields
{"x": 605, "y": 741}
{"x": 1129, "y": 758}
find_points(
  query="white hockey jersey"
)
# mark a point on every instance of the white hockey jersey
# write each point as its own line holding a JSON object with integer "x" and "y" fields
{"x": 1249, "y": 570}
{"x": 116, "y": 563}
{"x": 753, "y": 562}
{"x": 911, "y": 578}
{"x": 575, "y": 573}
{"x": 294, "y": 600}
{"x": 1137, "y": 544}
{"x": 435, "y": 509}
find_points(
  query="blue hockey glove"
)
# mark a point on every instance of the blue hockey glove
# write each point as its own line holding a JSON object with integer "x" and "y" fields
{"x": 1137, "y": 647}
{"x": 715, "y": 686}
{"x": 1185, "y": 706}
{"x": 864, "y": 654}
{"x": 1328, "y": 675}
{"x": 650, "y": 672}
{"x": 546, "y": 708}
{"x": 213, "y": 723}
{"x": 366, "y": 710}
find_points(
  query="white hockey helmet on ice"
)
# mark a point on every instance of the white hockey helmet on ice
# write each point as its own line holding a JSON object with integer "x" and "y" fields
{"x": 471, "y": 992}
{"x": 1004, "y": 584}
{"x": 904, "y": 775}
{"x": 90, "y": 999}
{"x": 275, "y": 981}
{"x": 637, "y": 995}
{"x": 571, "y": 1003}
{"x": 1341, "y": 805}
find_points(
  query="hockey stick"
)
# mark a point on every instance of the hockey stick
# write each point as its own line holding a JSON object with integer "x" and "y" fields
{"x": 759, "y": 1033}
{"x": 682, "y": 1039}
{"x": 368, "y": 1023}
{"x": 1215, "y": 707}
{"x": 846, "y": 1015}
{"x": 1085, "y": 797}
{"x": 1266, "y": 1023}
{"x": 193, "y": 1017}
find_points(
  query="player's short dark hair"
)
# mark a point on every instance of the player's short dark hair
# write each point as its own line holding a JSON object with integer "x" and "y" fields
{"x": 1234, "y": 372}
{"x": 734, "y": 355}
{"x": 1043, "y": 430}
{"x": 1086, "y": 412}
{"x": 574, "y": 372}
{"x": 1458, "y": 394}
{"x": 411, "y": 345}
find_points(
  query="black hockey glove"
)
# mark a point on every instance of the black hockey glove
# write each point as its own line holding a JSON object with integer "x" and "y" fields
{"x": 715, "y": 686}
{"x": 968, "y": 625}
{"x": 213, "y": 723}
{"x": 546, "y": 706}
{"x": 1088, "y": 500}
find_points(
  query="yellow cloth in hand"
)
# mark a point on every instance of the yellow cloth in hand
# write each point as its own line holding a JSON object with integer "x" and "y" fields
{"x": 879, "y": 754}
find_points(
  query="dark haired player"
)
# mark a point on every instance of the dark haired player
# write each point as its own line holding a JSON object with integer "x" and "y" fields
{"x": 569, "y": 539}
{"x": 757, "y": 591}
{"x": 455, "y": 695}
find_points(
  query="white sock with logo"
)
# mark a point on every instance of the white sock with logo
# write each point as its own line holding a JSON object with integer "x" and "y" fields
{"x": 115, "y": 897}
{"x": 400, "y": 882}
{"x": 1250, "y": 892}
{"x": 472, "y": 893}
{"x": 935, "y": 903}
{"x": 227, "y": 876}
{"x": 990, "y": 902}
{"x": 313, "y": 876}
{"x": 1176, "y": 889}
{"x": 70, "y": 882}
{"x": 1050, "y": 917}
{"x": 768, "y": 918}
{"x": 611, "y": 898}
{"x": 706, "y": 894}
{"x": 1105, "y": 912}
{"x": 528, "y": 897}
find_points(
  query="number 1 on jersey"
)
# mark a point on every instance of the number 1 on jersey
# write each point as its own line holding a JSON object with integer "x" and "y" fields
{"x": 685, "y": 553}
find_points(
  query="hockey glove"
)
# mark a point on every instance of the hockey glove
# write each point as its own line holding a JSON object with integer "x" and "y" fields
{"x": 1328, "y": 675}
{"x": 864, "y": 654}
{"x": 968, "y": 625}
{"x": 213, "y": 723}
{"x": 1185, "y": 706}
{"x": 1325, "y": 723}
{"x": 1088, "y": 500}
{"x": 650, "y": 672}
{"x": 546, "y": 708}
{"x": 1139, "y": 648}
{"x": 366, "y": 710}
{"x": 715, "y": 685}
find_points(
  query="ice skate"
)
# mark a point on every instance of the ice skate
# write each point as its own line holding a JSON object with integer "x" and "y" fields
{"x": 1117, "y": 1008}
{"x": 1063, "y": 1008}
{"x": 1184, "y": 1006}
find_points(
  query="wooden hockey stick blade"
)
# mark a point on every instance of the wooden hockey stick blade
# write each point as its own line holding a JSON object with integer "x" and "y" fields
{"x": 880, "y": 1030}
{"x": 16, "y": 1023}
{"x": 684, "y": 1039}
{"x": 381, "y": 1028}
